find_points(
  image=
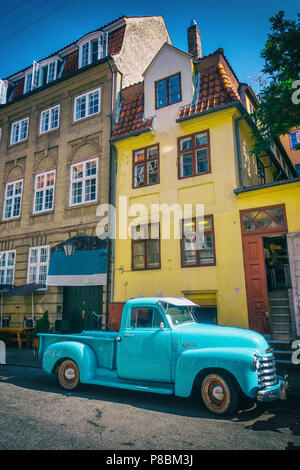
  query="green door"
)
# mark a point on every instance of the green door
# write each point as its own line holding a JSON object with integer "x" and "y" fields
{"x": 79, "y": 303}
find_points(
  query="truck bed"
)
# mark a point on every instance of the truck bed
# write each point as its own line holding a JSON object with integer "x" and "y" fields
{"x": 102, "y": 342}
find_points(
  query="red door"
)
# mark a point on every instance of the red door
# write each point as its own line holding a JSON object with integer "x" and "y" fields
{"x": 256, "y": 284}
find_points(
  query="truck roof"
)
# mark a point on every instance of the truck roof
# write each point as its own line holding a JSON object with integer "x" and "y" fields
{"x": 178, "y": 301}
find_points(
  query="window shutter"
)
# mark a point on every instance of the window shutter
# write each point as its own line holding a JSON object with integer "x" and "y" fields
{"x": 3, "y": 89}
{"x": 35, "y": 75}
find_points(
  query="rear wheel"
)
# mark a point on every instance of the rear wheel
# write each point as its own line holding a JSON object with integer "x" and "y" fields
{"x": 219, "y": 393}
{"x": 68, "y": 375}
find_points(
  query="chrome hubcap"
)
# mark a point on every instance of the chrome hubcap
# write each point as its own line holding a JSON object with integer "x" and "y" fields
{"x": 70, "y": 373}
{"x": 217, "y": 393}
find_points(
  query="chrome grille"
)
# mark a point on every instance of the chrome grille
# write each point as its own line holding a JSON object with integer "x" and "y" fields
{"x": 267, "y": 376}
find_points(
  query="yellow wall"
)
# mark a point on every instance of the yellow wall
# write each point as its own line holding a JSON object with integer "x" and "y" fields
{"x": 215, "y": 190}
{"x": 288, "y": 194}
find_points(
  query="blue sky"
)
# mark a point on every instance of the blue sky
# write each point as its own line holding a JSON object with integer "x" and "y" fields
{"x": 32, "y": 29}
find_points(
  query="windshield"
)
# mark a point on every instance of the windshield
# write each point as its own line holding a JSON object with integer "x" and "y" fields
{"x": 179, "y": 315}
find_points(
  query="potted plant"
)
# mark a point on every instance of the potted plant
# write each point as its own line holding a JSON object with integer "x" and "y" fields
{"x": 42, "y": 326}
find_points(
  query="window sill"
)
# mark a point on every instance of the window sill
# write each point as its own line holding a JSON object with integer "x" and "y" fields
{"x": 37, "y": 214}
{"x": 85, "y": 118}
{"x": 12, "y": 219}
{"x": 84, "y": 204}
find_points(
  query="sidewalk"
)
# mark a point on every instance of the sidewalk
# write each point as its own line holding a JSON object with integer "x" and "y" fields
{"x": 22, "y": 357}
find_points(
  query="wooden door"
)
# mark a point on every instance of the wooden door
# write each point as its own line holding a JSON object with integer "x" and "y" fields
{"x": 256, "y": 283}
{"x": 79, "y": 303}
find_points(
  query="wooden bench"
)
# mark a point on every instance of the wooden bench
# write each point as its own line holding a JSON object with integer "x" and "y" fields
{"x": 17, "y": 334}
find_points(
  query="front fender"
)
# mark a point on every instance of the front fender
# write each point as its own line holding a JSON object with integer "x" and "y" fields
{"x": 81, "y": 353}
{"x": 236, "y": 361}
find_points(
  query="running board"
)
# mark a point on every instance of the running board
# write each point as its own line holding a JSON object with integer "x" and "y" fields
{"x": 111, "y": 380}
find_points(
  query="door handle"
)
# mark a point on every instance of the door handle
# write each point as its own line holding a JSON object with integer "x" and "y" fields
{"x": 118, "y": 339}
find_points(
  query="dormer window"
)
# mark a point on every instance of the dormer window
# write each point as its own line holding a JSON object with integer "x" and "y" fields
{"x": 41, "y": 74}
{"x": 92, "y": 49}
{"x": 168, "y": 91}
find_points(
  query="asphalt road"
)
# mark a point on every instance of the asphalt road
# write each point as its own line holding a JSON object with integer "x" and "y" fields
{"x": 35, "y": 413}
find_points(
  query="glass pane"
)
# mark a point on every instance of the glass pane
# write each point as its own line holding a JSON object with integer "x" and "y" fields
{"x": 90, "y": 190}
{"x": 93, "y": 103}
{"x": 186, "y": 164}
{"x": 141, "y": 317}
{"x": 139, "y": 156}
{"x": 207, "y": 253}
{"x": 138, "y": 255}
{"x": 174, "y": 89}
{"x": 186, "y": 143}
{"x": 161, "y": 93}
{"x": 152, "y": 152}
{"x": 153, "y": 254}
{"x": 263, "y": 219}
{"x": 154, "y": 230}
{"x": 202, "y": 161}
{"x": 189, "y": 253}
{"x": 139, "y": 176}
{"x": 201, "y": 139}
{"x": 152, "y": 170}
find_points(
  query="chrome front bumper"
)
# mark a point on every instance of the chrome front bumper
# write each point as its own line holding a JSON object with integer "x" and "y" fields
{"x": 274, "y": 393}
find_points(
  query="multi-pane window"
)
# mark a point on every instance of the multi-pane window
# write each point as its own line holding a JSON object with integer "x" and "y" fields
{"x": 7, "y": 267}
{"x": 51, "y": 71}
{"x": 146, "y": 166}
{"x": 84, "y": 182}
{"x": 168, "y": 91}
{"x": 197, "y": 243}
{"x": 38, "y": 262}
{"x": 19, "y": 131}
{"x": 194, "y": 155}
{"x": 93, "y": 50}
{"x": 87, "y": 104}
{"x": 44, "y": 192}
{"x": 294, "y": 139}
{"x": 49, "y": 119}
{"x": 13, "y": 199}
{"x": 146, "y": 247}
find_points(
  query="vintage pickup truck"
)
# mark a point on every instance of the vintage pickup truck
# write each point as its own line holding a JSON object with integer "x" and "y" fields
{"x": 160, "y": 348}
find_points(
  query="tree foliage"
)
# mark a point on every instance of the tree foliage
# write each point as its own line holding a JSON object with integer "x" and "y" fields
{"x": 277, "y": 113}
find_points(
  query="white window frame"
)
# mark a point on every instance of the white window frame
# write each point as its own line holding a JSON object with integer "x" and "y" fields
{"x": 3, "y": 91}
{"x": 297, "y": 133}
{"x": 13, "y": 198}
{"x": 44, "y": 190}
{"x": 102, "y": 44}
{"x": 35, "y": 278}
{"x": 7, "y": 267}
{"x": 49, "y": 111}
{"x": 83, "y": 180}
{"x": 19, "y": 124}
{"x": 55, "y": 71}
{"x": 86, "y": 95}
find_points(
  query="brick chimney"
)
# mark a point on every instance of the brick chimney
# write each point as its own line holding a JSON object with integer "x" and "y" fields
{"x": 194, "y": 41}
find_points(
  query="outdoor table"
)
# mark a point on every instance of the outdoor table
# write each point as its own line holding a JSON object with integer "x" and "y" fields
{"x": 17, "y": 332}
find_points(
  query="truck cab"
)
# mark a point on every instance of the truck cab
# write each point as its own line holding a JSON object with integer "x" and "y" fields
{"x": 160, "y": 348}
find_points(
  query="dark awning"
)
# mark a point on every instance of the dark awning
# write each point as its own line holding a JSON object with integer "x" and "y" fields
{"x": 26, "y": 289}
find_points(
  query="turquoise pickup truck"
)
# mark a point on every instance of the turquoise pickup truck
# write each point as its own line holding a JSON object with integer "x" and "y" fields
{"x": 160, "y": 348}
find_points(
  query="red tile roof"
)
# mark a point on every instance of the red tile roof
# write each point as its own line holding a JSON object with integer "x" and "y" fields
{"x": 71, "y": 64}
{"x": 218, "y": 86}
{"x": 131, "y": 118}
{"x": 115, "y": 40}
{"x": 216, "y": 89}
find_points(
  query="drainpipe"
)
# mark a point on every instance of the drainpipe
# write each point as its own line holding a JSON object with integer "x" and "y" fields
{"x": 238, "y": 144}
{"x": 110, "y": 243}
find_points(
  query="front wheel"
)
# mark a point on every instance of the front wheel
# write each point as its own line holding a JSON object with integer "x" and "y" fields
{"x": 219, "y": 393}
{"x": 68, "y": 375}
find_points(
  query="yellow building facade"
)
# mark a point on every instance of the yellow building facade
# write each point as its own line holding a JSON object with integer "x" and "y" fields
{"x": 216, "y": 173}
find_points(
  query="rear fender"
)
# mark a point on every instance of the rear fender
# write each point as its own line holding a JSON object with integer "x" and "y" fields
{"x": 82, "y": 354}
{"x": 237, "y": 361}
